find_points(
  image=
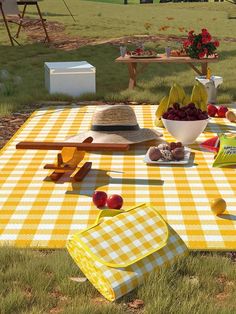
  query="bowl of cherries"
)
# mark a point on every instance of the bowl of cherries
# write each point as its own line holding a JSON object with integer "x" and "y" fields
{"x": 185, "y": 123}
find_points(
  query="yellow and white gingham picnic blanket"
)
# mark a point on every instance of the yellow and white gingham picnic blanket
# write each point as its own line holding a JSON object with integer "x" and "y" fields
{"x": 34, "y": 212}
{"x": 129, "y": 236}
{"x": 117, "y": 253}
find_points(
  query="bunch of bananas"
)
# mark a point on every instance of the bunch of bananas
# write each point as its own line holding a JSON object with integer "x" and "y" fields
{"x": 177, "y": 95}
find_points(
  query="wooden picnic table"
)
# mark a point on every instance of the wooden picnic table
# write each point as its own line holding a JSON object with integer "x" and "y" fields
{"x": 144, "y": 62}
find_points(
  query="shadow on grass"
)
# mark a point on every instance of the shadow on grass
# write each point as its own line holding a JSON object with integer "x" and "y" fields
{"x": 45, "y": 14}
{"x": 230, "y": 91}
{"x": 162, "y": 72}
{"x": 132, "y": 295}
{"x": 225, "y": 54}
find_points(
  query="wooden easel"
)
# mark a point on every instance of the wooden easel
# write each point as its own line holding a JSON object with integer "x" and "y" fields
{"x": 71, "y": 156}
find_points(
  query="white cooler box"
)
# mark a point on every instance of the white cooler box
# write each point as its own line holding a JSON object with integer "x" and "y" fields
{"x": 71, "y": 78}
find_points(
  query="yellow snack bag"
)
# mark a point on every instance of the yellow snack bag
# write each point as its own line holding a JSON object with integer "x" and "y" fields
{"x": 226, "y": 155}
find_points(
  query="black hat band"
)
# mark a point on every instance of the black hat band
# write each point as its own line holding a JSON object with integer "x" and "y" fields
{"x": 99, "y": 128}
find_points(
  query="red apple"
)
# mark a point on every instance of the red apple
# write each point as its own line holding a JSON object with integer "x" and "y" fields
{"x": 222, "y": 111}
{"x": 115, "y": 201}
{"x": 212, "y": 110}
{"x": 99, "y": 198}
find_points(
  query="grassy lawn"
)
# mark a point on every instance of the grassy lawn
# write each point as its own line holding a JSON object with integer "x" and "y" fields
{"x": 112, "y": 78}
{"x": 100, "y": 21}
{"x": 39, "y": 282}
{"x": 104, "y": 20}
{"x": 122, "y": 1}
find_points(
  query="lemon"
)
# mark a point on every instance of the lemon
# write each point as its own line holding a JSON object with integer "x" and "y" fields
{"x": 218, "y": 206}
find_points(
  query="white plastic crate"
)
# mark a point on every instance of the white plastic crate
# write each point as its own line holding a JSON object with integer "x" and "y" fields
{"x": 70, "y": 78}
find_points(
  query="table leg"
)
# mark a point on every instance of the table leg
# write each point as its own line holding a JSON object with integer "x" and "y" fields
{"x": 204, "y": 68}
{"x": 21, "y": 21}
{"x": 42, "y": 21}
{"x": 132, "y": 67}
{"x": 195, "y": 69}
{"x": 6, "y": 24}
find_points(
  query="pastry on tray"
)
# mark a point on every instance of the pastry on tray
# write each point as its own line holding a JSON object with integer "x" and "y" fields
{"x": 142, "y": 53}
{"x": 178, "y": 53}
{"x": 168, "y": 153}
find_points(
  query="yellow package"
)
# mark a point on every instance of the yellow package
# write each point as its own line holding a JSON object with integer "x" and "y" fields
{"x": 226, "y": 155}
{"x": 123, "y": 247}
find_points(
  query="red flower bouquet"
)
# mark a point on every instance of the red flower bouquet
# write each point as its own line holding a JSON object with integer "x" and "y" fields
{"x": 200, "y": 45}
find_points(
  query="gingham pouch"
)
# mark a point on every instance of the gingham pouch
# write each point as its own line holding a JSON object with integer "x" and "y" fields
{"x": 122, "y": 247}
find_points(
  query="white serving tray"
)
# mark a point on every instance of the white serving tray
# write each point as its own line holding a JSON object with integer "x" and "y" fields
{"x": 187, "y": 152}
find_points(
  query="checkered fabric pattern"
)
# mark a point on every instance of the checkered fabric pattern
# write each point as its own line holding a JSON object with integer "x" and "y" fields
{"x": 129, "y": 236}
{"x": 114, "y": 282}
{"x": 38, "y": 213}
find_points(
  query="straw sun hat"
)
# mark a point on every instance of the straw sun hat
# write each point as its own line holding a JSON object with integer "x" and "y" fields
{"x": 116, "y": 124}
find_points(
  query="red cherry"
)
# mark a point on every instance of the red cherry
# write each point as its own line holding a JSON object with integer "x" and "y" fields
{"x": 165, "y": 115}
{"x": 115, "y": 201}
{"x": 182, "y": 114}
{"x": 191, "y": 105}
{"x": 171, "y": 116}
{"x": 201, "y": 116}
{"x": 222, "y": 111}
{"x": 99, "y": 198}
{"x": 212, "y": 110}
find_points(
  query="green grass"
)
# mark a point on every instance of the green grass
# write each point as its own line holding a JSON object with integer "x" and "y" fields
{"x": 122, "y": 1}
{"x": 112, "y": 78}
{"x": 106, "y": 20}
{"x": 102, "y": 21}
{"x": 39, "y": 282}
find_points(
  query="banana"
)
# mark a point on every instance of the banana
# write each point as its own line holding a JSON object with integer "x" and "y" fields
{"x": 159, "y": 123}
{"x": 186, "y": 100}
{"x": 181, "y": 93}
{"x": 203, "y": 106}
{"x": 204, "y": 97}
{"x": 163, "y": 106}
{"x": 173, "y": 95}
{"x": 177, "y": 94}
{"x": 196, "y": 97}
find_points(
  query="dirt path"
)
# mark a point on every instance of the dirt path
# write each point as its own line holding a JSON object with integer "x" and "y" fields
{"x": 61, "y": 40}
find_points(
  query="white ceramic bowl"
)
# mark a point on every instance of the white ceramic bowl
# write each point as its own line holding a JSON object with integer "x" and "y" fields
{"x": 185, "y": 132}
